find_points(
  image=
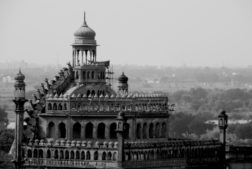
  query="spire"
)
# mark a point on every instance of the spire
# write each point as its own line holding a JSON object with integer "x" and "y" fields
{"x": 84, "y": 23}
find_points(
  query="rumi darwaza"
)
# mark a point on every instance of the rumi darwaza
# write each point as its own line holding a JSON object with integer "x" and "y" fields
{"x": 77, "y": 120}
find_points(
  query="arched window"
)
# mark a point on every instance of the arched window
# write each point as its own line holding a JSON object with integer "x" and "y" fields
{"x": 151, "y": 130}
{"x": 88, "y": 155}
{"x": 145, "y": 130}
{"x": 93, "y": 93}
{"x": 60, "y": 107}
{"x": 89, "y": 130}
{"x": 92, "y": 75}
{"x": 48, "y": 154}
{"x": 88, "y": 93}
{"x": 77, "y": 155}
{"x": 29, "y": 154}
{"x": 54, "y": 106}
{"x": 95, "y": 155}
{"x": 62, "y": 130}
{"x": 112, "y": 131}
{"x": 83, "y": 155}
{"x": 61, "y": 154}
{"x": 109, "y": 157}
{"x": 49, "y": 106}
{"x": 67, "y": 154}
{"x": 72, "y": 155}
{"x": 138, "y": 131}
{"x": 163, "y": 132}
{"x": 35, "y": 153}
{"x": 65, "y": 106}
{"x": 127, "y": 129}
{"x": 101, "y": 131}
{"x": 114, "y": 156}
{"x": 103, "y": 156}
{"x": 157, "y": 130}
{"x": 76, "y": 130}
{"x": 84, "y": 75}
{"x": 77, "y": 75}
{"x": 40, "y": 153}
{"x": 51, "y": 130}
{"x": 56, "y": 156}
{"x": 88, "y": 75}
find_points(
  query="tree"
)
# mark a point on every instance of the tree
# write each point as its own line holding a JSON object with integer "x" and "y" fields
{"x": 3, "y": 118}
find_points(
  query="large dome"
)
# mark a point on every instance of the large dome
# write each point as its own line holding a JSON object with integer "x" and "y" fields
{"x": 85, "y": 32}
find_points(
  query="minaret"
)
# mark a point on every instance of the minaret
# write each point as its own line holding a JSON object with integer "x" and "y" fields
{"x": 19, "y": 100}
{"x": 223, "y": 123}
{"x": 120, "y": 135}
{"x": 123, "y": 83}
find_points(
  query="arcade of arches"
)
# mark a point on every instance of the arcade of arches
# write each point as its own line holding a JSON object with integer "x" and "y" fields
{"x": 103, "y": 130}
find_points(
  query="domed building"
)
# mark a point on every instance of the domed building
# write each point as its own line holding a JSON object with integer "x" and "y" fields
{"x": 78, "y": 120}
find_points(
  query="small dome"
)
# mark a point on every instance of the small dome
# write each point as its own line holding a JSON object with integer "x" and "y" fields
{"x": 123, "y": 78}
{"x": 85, "y": 32}
{"x": 20, "y": 76}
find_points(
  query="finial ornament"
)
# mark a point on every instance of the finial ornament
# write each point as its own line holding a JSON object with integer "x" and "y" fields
{"x": 85, "y": 23}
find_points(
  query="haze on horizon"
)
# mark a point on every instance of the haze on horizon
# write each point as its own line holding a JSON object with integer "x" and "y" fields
{"x": 166, "y": 33}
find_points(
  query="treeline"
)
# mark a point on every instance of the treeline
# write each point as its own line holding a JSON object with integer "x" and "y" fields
{"x": 197, "y": 108}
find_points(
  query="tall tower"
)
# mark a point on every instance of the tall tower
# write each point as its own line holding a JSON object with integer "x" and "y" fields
{"x": 123, "y": 83}
{"x": 84, "y": 46}
{"x": 223, "y": 123}
{"x": 19, "y": 100}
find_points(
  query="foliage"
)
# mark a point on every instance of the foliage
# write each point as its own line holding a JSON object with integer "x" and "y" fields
{"x": 3, "y": 118}
{"x": 6, "y": 139}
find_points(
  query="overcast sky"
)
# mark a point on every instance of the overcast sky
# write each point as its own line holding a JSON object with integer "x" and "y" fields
{"x": 169, "y": 33}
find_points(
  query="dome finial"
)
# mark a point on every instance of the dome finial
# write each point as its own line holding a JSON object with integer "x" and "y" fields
{"x": 84, "y": 23}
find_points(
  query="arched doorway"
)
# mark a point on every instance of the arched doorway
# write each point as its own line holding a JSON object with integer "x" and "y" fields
{"x": 62, "y": 130}
{"x": 51, "y": 130}
{"x": 89, "y": 130}
{"x": 112, "y": 131}
{"x": 101, "y": 131}
{"x": 76, "y": 130}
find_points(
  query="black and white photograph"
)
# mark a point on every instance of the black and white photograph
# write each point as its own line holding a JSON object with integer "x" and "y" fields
{"x": 137, "y": 84}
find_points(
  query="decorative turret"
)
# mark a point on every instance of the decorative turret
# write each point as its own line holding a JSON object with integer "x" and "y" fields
{"x": 19, "y": 100}
{"x": 123, "y": 83}
{"x": 223, "y": 124}
{"x": 84, "y": 46}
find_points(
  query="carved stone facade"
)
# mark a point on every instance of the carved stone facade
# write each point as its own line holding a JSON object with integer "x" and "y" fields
{"x": 78, "y": 121}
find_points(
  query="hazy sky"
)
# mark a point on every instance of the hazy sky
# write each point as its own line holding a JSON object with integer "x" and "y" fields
{"x": 154, "y": 32}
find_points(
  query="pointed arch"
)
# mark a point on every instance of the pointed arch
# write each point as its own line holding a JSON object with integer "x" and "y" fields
{"x": 89, "y": 130}
{"x": 51, "y": 130}
{"x": 88, "y": 157}
{"x": 54, "y": 106}
{"x": 62, "y": 130}
{"x": 96, "y": 155}
{"x": 151, "y": 130}
{"x": 126, "y": 132}
{"x": 77, "y": 130}
{"x": 48, "y": 154}
{"x": 49, "y": 106}
{"x": 157, "y": 130}
{"x": 112, "y": 131}
{"x": 101, "y": 131}
{"x": 138, "y": 131}
{"x": 103, "y": 156}
{"x": 163, "y": 132}
{"x": 82, "y": 155}
{"x": 145, "y": 130}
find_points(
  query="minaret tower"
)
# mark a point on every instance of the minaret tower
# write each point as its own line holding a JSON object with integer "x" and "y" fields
{"x": 223, "y": 124}
{"x": 84, "y": 46}
{"x": 123, "y": 83}
{"x": 19, "y": 100}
